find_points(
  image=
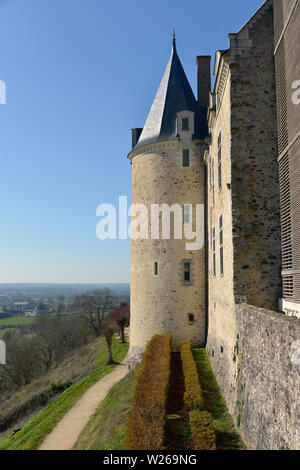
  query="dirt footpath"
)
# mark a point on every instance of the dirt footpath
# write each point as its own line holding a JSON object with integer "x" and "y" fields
{"x": 67, "y": 431}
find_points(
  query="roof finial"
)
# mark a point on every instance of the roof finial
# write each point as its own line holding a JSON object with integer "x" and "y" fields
{"x": 174, "y": 42}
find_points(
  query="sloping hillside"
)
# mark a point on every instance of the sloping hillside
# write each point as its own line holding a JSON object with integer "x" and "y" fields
{"x": 72, "y": 377}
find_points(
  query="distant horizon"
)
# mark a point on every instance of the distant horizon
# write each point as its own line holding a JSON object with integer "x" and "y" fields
{"x": 60, "y": 283}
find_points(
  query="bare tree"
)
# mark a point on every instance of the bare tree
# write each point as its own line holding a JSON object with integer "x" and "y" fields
{"x": 93, "y": 305}
{"x": 108, "y": 329}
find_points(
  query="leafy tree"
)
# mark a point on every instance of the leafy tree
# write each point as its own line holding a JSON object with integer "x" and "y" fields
{"x": 121, "y": 317}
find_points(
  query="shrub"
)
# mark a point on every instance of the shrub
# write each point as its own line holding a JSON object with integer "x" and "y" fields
{"x": 202, "y": 430}
{"x": 148, "y": 410}
{"x": 193, "y": 398}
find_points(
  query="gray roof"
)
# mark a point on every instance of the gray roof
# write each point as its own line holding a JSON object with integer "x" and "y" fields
{"x": 174, "y": 95}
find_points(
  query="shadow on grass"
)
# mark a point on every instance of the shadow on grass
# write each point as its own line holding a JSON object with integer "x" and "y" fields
{"x": 227, "y": 437}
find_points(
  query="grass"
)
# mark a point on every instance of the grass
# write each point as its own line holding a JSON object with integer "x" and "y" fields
{"x": 15, "y": 321}
{"x": 40, "y": 425}
{"x": 107, "y": 429}
{"x": 227, "y": 437}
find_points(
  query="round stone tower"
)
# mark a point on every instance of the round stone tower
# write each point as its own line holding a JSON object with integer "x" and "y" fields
{"x": 168, "y": 275}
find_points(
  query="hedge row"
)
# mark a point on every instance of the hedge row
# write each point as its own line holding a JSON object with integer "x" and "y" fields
{"x": 193, "y": 394}
{"x": 148, "y": 411}
{"x": 200, "y": 421}
{"x": 202, "y": 430}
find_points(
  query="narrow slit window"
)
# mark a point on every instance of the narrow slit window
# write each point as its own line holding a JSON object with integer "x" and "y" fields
{"x": 213, "y": 182}
{"x": 155, "y": 268}
{"x": 187, "y": 213}
{"x": 221, "y": 245}
{"x": 187, "y": 271}
{"x": 185, "y": 124}
{"x": 214, "y": 251}
{"x": 220, "y": 161}
{"x": 186, "y": 158}
{"x": 191, "y": 318}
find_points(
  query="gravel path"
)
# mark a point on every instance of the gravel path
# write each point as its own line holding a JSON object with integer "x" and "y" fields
{"x": 67, "y": 431}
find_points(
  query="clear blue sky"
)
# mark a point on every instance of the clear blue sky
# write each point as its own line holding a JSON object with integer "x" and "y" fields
{"x": 79, "y": 75}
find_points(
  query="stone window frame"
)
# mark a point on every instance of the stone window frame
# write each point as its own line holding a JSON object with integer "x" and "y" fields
{"x": 191, "y": 318}
{"x": 181, "y": 272}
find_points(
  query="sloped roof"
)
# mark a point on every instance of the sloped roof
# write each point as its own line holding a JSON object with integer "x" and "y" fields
{"x": 174, "y": 95}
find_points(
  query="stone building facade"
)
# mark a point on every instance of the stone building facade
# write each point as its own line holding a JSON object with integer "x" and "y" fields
{"x": 287, "y": 60}
{"x": 243, "y": 191}
{"x": 249, "y": 344}
{"x": 230, "y": 303}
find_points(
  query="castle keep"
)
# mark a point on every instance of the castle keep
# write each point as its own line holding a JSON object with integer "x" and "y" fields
{"x": 222, "y": 151}
{"x": 168, "y": 281}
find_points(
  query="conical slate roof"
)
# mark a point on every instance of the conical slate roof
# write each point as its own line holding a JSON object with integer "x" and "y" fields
{"x": 174, "y": 95}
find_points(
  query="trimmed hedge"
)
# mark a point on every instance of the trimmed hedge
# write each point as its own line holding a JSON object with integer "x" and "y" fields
{"x": 193, "y": 394}
{"x": 148, "y": 411}
{"x": 202, "y": 430}
{"x": 201, "y": 423}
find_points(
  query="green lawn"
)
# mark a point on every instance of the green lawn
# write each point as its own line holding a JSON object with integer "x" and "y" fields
{"x": 107, "y": 429}
{"x": 40, "y": 425}
{"x": 15, "y": 321}
{"x": 227, "y": 437}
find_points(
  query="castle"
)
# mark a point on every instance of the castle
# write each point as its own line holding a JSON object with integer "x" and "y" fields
{"x": 221, "y": 152}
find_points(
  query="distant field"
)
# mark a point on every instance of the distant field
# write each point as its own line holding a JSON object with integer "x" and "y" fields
{"x": 16, "y": 321}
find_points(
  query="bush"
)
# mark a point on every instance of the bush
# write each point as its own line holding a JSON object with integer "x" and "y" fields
{"x": 193, "y": 394}
{"x": 148, "y": 411}
{"x": 202, "y": 430}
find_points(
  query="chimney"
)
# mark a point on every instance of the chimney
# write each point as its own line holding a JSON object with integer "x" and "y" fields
{"x": 204, "y": 79}
{"x": 136, "y": 134}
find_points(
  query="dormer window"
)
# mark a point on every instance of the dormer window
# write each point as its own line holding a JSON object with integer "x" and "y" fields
{"x": 185, "y": 124}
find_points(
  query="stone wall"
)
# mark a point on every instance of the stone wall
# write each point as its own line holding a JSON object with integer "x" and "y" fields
{"x": 267, "y": 407}
{"x": 255, "y": 175}
{"x": 246, "y": 361}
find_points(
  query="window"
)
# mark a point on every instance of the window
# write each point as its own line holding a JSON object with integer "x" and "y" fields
{"x": 187, "y": 271}
{"x": 187, "y": 213}
{"x": 220, "y": 161}
{"x": 155, "y": 271}
{"x": 186, "y": 158}
{"x": 214, "y": 250}
{"x": 221, "y": 245}
{"x": 191, "y": 318}
{"x": 210, "y": 223}
{"x": 185, "y": 124}
{"x": 213, "y": 181}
